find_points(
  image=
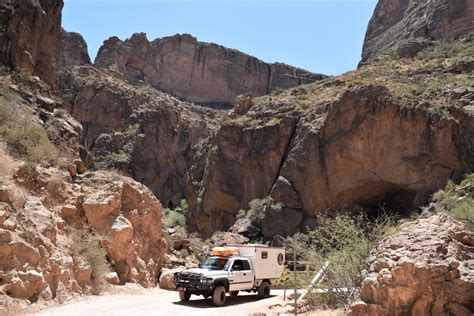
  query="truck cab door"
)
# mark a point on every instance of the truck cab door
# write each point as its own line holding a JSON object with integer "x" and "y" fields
{"x": 241, "y": 275}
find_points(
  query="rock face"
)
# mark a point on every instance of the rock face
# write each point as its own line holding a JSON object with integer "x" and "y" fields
{"x": 73, "y": 50}
{"x": 332, "y": 160}
{"x": 45, "y": 219}
{"x": 30, "y": 36}
{"x": 424, "y": 269}
{"x": 194, "y": 71}
{"x": 394, "y": 21}
{"x": 138, "y": 130}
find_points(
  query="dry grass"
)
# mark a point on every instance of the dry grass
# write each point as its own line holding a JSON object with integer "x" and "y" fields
{"x": 7, "y": 163}
{"x": 89, "y": 246}
{"x": 417, "y": 82}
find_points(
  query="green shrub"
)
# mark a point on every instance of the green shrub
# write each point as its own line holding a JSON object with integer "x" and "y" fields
{"x": 89, "y": 246}
{"x": 25, "y": 139}
{"x": 183, "y": 253}
{"x": 458, "y": 201}
{"x": 257, "y": 207}
{"x": 346, "y": 242}
{"x": 278, "y": 91}
{"x": 30, "y": 142}
{"x": 173, "y": 218}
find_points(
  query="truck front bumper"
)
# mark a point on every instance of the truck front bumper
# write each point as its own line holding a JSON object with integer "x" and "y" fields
{"x": 192, "y": 286}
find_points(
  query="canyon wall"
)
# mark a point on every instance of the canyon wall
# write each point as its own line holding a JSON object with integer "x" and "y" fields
{"x": 395, "y": 21}
{"x": 195, "y": 71}
{"x": 73, "y": 50}
{"x": 30, "y": 33}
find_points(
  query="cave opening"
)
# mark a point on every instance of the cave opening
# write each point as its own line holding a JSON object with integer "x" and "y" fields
{"x": 378, "y": 198}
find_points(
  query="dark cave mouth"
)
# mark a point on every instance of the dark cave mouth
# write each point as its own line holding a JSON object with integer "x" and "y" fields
{"x": 380, "y": 197}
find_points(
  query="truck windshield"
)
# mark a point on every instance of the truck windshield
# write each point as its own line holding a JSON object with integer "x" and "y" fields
{"x": 214, "y": 263}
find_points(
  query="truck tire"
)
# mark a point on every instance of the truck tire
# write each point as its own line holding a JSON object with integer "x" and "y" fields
{"x": 218, "y": 296}
{"x": 234, "y": 293}
{"x": 184, "y": 296}
{"x": 264, "y": 290}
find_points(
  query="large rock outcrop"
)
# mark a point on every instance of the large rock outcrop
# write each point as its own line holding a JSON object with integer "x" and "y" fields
{"x": 47, "y": 224}
{"x": 30, "y": 33}
{"x": 138, "y": 130}
{"x": 395, "y": 21}
{"x": 73, "y": 50}
{"x": 195, "y": 71}
{"x": 331, "y": 157}
{"x": 426, "y": 268}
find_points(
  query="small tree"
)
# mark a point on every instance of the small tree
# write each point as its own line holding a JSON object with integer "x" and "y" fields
{"x": 346, "y": 242}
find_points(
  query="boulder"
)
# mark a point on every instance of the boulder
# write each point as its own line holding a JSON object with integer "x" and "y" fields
{"x": 409, "y": 49}
{"x": 112, "y": 278}
{"x": 167, "y": 279}
{"x": 283, "y": 221}
{"x": 243, "y": 103}
{"x": 227, "y": 238}
{"x": 425, "y": 268}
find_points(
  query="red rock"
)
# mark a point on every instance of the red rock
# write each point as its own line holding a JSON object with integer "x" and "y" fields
{"x": 431, "y": 277}
{"x": 394, "y": 21}
{"x": 170, "y": 64}
{"x": 30, "y": 32}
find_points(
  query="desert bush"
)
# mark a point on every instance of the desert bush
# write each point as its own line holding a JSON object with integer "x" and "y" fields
{"x": 89, "y": 246}
{"x": 25, "y": 139}
{"x": 183, "y": 253}
{"x": 197, "y": 246}
{"x": 176, "y": 217}
{"x": 278, "y": 91}
{"x": 257, "y": 207}
{"x": 345, "y": 241}
{"x": 173, "y": 218}
{"x": 458, "y": 201}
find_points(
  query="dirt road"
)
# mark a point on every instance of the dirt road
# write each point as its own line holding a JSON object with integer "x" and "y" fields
{"x": 161, "y": 302}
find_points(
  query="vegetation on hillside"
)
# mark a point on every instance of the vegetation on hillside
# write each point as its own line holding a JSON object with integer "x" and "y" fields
{"x": 457, "y": 201}
{"x": 25, "y": 138}
{"x": 345, "y": 241}
{"x": 421, "y": 81}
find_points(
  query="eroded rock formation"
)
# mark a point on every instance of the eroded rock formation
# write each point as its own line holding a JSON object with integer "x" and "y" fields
{"x": 423, "y": 269}
{"x": 395, "y": 21}
{"x": 45, "y": 216}
{"x": 73, "y": 50}
{"x": 331, "y": 157}
{"x": 30, "y": 36}
{"x": 138, "y": 130}
{"x": 194, "y": 71}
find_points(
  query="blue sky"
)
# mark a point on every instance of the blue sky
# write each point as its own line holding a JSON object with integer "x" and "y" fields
{"x": 322, "y": 36}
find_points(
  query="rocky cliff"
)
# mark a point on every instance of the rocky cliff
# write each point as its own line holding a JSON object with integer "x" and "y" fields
{"x": 423, "y": 269}
{"x": 396, "y": 21}
{"x": 138, "y": 130}
{"x": 340, "y": 143}
{"x": 73, "y": 50}
{"x": 311, "y": 148}
{"x": 65, "y": 231}
{"x": 29, "y": 36}
{"x": 194, "y": 71}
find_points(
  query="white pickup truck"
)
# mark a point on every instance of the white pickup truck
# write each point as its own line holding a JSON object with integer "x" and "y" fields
{"x": 249, "y": 268}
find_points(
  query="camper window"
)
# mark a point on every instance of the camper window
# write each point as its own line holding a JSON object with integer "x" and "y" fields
{"x": 264, "y": 255}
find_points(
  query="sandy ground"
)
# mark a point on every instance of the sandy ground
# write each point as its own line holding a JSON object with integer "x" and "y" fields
{"x": 162, "y": 302}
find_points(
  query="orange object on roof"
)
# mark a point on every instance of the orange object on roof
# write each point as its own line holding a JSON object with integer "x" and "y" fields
{"x": 225, "y": 251}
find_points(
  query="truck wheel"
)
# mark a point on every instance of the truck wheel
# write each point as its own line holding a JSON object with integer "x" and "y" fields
{"x": 184, "y": 296}
{"x": 264, "y": 290}
{"x": 218, "y": 297}
{"x": 234, "y": 293}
